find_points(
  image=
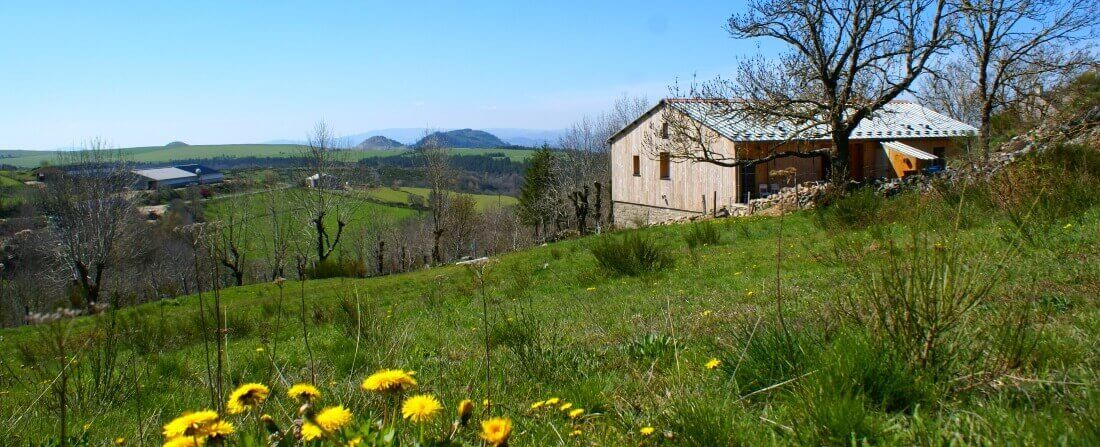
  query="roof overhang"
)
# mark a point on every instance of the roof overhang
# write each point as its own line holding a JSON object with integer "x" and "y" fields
{"x": 907, "y": 150}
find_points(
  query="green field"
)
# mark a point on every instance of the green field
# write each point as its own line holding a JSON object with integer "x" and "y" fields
{"x": 402, "y": 196}
{"x": 253, "y": 208}
{"x": 162, "y": 154}
{"x": 780, "y": 308}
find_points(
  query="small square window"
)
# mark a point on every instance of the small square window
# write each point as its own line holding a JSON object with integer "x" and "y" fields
{"x": 666, "y": 166}
{"x": 664, "y": 130}
{"x": 637, "y": 166}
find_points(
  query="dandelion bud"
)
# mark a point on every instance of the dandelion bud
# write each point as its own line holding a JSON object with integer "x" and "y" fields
{"x": 465, "y": 410}
{"x": 269, "y": 424}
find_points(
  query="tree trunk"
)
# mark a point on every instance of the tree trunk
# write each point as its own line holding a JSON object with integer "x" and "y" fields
{"x": 838, "y": 165}
{"x": 381, "y": 254}
{"x": 437, "y": 254}
{"x": 319, "y": 227}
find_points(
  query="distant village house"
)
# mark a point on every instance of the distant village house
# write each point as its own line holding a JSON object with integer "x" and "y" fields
{"x": 649, "y": 185}
{"x": 176, "y": 177}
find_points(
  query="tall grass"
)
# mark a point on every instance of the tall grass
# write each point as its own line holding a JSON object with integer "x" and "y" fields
{"x": 632, "y": 254}
{"x": 858, "y": 209}
{"x": 701, "y": 234}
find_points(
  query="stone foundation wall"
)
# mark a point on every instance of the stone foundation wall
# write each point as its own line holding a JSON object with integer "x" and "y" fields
{"x": 629, "y": 215}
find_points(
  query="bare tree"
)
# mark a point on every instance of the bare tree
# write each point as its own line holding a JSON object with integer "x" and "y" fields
{"x": 463, "y": 222}
{"x": 90, "y": 217}
{"x": 1011, "y": 51}
{"x": 324, "y": 159}
{"x": 583, "y": 159}
{"x": 948, "y": 89}
{"x": 438, "y": 175}
{"x": 228, "y": 241}
{"x": 845, "y": 60}
{"x": 279, "y": 235}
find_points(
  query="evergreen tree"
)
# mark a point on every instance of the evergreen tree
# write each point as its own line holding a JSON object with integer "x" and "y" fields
{"x": 535, "y": 204}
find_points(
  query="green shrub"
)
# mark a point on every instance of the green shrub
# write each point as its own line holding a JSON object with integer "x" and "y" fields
{"x": 632, "y": 254}
{"x": 921, "y": 299}
{"x": 855, "y": 364}
{"x": 337, "y": 268}
{"x": 833, "y": 417}
{"x": 765, "y": 356}
{"x": 702, "y": 233}
{"x": 651, "y": 347}
{"x": 706, "y": 423}
{"x": 858, "y": 209}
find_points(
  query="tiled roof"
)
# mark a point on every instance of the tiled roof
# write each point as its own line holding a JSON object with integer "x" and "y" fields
{"x": 899, "y": 119}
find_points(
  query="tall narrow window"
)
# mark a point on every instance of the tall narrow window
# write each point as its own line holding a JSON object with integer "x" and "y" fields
{"x": 637, "y": 166}
{"x": 666, "y": 165}
{"x": 664, "y": 130}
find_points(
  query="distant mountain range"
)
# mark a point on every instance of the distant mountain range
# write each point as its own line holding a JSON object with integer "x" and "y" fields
{"x": 409, "y": 136}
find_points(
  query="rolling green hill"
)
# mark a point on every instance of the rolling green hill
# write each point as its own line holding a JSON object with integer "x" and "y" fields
{"x": 163, "y": 154}
{"x": 462, "y": 138}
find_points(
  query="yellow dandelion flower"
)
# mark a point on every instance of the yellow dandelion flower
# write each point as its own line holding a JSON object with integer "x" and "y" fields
{"x": 646, "y": 431}
{"x": 303, "y": 392}
{"x": 706, "y": 313}
{"x": 389, "y": 380}
{"x": 354, "y": 442}
{"x": 260, "y": 349}
{"x": 120, "y": 441}
{"x": 713, "y": 363}
{"x": 219, "y": 430}
{"x": 185, "y": 442}
{"x": 576, "y": 413}
{"x": 246, "y": 397}
{"x": 591, "y": 289}
{"x": 552, "y": 401}
{"x": 496, "y": 431}
{"x": 333, "y": 418}
{"x": 420, "y": 408}
{"x": 537, "y": 405}
{"x": 565, "y": 406}
{"x": 575, "y": 433}
{"x": 190, "y": 424}
{"x": 311, "y": 432}
{"x": 465, "y": 410}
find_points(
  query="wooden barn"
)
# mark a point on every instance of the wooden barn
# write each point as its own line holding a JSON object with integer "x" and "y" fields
{"x": 650, "y": 184}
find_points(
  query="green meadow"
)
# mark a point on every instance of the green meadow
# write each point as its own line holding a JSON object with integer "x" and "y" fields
{"x": 408, "y": 195}
{"x": 937, "y": 319}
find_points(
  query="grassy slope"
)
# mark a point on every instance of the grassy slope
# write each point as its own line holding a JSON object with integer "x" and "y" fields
{"x": 161, "y": 154}
{"x": 253, "y": 207}
{"x": 401, "y": 195}
{"x": 427, "y": 321}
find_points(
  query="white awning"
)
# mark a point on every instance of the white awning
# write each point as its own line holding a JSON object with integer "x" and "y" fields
{"x": 908, "y": 150}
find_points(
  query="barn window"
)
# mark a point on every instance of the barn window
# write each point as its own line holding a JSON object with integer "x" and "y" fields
{"x": 664, "y": 130}
{"x": 637, "y": 166}
{"x": 665, "y": 166}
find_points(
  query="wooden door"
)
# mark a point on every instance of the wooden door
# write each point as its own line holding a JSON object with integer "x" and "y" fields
{"x": 855, "y": 161}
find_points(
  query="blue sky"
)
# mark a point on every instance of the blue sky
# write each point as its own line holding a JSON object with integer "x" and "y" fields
{"x": 146, "y": 73}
